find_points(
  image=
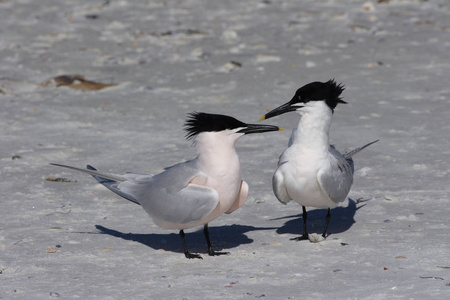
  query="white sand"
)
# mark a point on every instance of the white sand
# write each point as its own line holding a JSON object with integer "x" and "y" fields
{"x": 77, "y": 240}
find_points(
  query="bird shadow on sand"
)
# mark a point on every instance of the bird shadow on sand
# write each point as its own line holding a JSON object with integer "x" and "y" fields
{"x": 342, "y": 219}
{"x": 222, "y": 238}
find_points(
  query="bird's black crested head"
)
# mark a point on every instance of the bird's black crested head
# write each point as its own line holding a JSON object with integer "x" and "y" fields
{"x": 328, "y": 91}
{"x": 199, "y": 122}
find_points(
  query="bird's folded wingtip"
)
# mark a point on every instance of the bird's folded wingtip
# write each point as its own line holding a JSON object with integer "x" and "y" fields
{"x": 89, "y": 167}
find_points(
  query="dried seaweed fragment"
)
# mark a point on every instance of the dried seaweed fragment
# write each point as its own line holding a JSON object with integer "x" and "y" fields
{"x": 51, "y": 250}
{"x": 77, "y": 82}
{"x": 58, "y": 179}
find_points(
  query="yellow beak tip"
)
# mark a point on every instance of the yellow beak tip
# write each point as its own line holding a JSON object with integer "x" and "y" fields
{"x": 281, "y": 128}
{"x": 262, "y": 118}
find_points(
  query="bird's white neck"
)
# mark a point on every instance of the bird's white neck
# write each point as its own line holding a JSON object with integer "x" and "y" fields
{"x": 314, "y": 127}
{"x": 216, "y": 151}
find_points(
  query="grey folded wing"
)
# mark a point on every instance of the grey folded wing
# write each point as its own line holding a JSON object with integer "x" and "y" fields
{"x": 336, "y": 178}
{"x": 170, "y": 197}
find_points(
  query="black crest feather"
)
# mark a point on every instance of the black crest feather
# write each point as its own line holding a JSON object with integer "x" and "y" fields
{"x": 198, "y": 122}
{"x": 329, "y": 92}
{"x": 334, "y": 92}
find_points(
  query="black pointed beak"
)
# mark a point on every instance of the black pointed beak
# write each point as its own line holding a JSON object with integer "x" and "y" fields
{"x": 287, "y": 107}
{"x": 258, "y": 128}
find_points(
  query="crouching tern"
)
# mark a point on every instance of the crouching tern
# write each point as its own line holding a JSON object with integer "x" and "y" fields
{"x": 195, "y": 192}
{"x": 311, "y": 171}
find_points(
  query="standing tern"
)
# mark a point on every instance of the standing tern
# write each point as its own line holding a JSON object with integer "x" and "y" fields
{"x": 311, "y": 171}
{"x": 195, "y": 192}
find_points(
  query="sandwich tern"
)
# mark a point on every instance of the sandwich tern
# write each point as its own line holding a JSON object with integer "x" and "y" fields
{"x": 195, "y": 192}
{"x": 311, "y": 171}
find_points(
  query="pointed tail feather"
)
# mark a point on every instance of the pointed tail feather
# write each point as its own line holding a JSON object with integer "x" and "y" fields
{"x": 92, "y": 171}
{"x": 353, "y": 152}
{"x": 108, "y": 180}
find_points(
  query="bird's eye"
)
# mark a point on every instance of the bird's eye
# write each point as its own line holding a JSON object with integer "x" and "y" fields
{"x": 302, "y": 100}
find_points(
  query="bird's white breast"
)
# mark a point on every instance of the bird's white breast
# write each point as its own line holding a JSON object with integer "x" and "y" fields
{"x": 219, "y": 162}
{"x": 299, "y": 168}
{"x": 225, "y": 177}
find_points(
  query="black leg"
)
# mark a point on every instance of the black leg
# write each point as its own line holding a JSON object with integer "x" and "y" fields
{"x": 211, "y": 252}
{"x": 304, "y": 236}
{"x": 327, "y": 218}
{"x": 186, "y": 251}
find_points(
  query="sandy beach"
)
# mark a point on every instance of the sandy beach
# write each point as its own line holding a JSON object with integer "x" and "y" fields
{"x": 110, "y": 83}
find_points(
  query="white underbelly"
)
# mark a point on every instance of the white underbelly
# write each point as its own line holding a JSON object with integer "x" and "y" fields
{"x": 228, "y": 193}
{"x": 303, "y": 187}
